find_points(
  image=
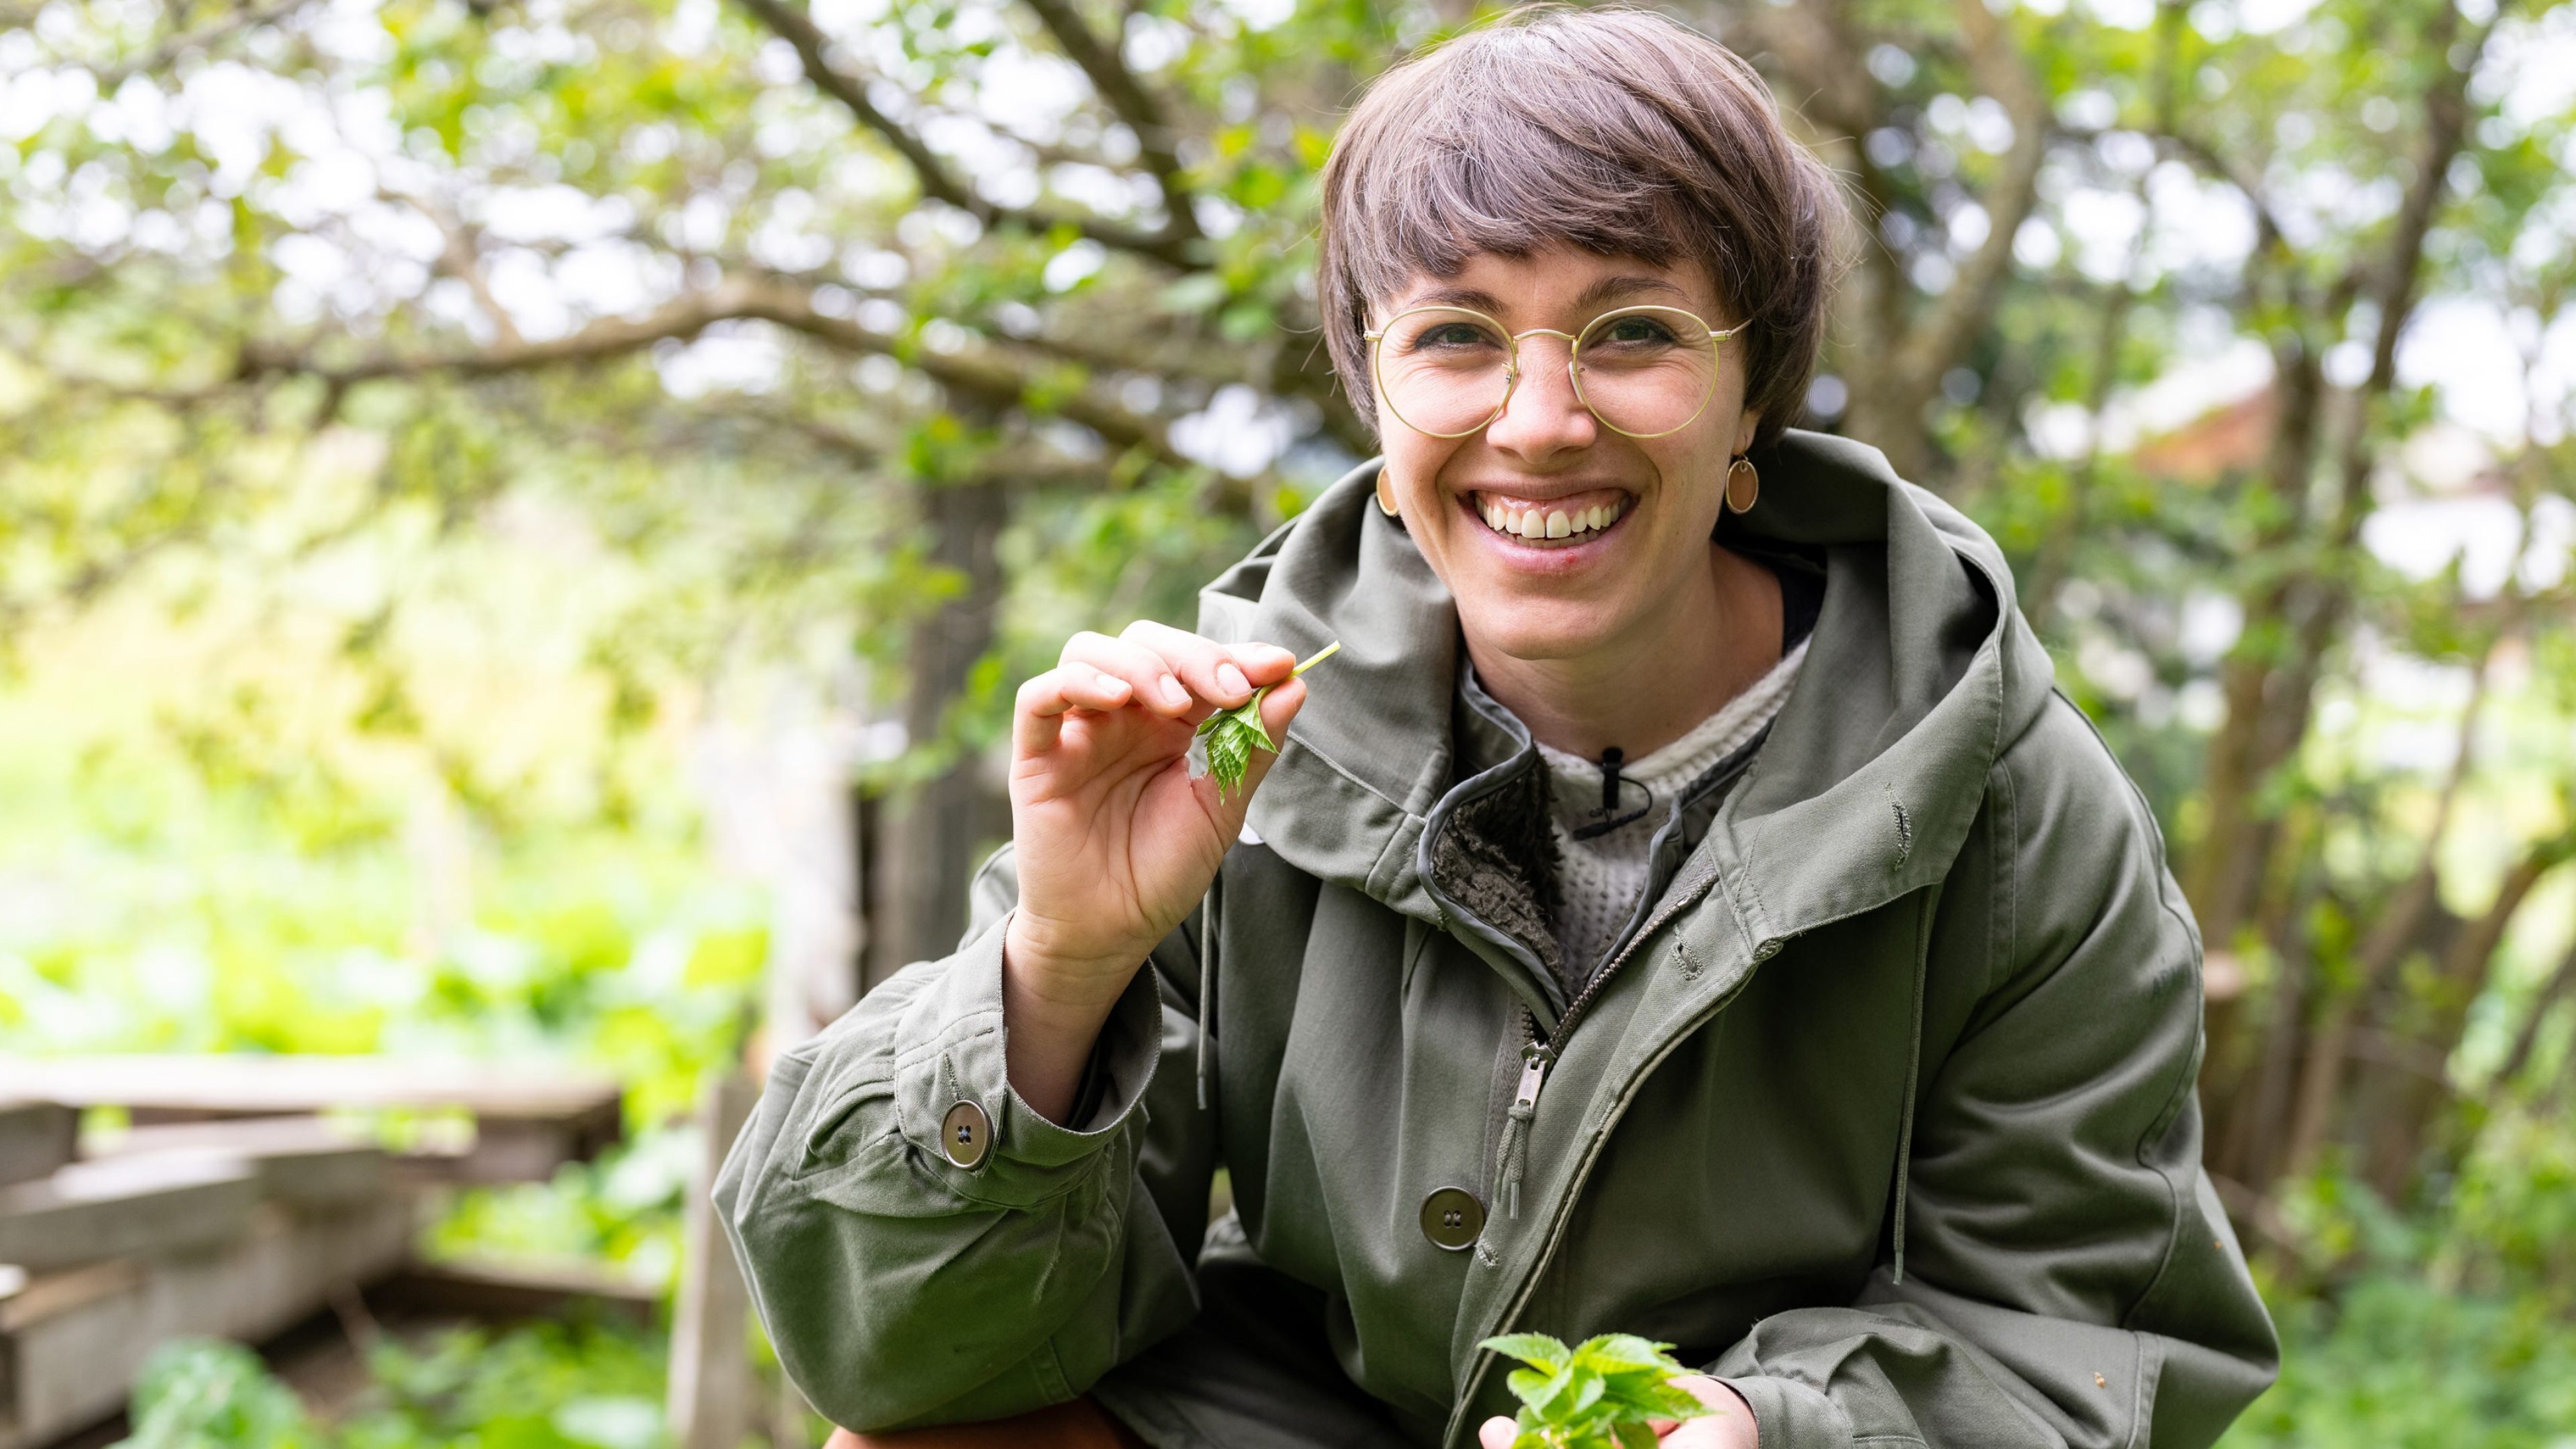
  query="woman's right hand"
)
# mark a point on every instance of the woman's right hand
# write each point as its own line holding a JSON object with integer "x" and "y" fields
{"x": 1115, "y": 843}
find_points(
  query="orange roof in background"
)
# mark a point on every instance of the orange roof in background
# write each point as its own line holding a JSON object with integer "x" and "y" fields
{"x": 2218, "y": 442}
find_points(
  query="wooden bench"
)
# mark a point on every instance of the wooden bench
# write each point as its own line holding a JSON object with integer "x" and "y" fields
{"x": 246, "y": 1196}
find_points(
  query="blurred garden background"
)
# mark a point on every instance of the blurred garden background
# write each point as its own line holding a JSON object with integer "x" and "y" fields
{"x": 519, "y": 520}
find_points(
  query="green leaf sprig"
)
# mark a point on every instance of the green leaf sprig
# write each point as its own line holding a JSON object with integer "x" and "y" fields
{"x": 1598, "y": 1396}
{"x": 1232, "y": 735}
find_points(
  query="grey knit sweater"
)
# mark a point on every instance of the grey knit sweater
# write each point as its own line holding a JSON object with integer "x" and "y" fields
{"x": 1599, "y": 880}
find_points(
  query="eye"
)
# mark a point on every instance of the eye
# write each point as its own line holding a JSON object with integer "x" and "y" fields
{"x": 1446, "y": 335}
{"x": 1637, "y": 329}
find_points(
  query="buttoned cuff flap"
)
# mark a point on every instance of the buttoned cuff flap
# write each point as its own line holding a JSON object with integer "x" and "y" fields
{"x": 953, "y": 1095}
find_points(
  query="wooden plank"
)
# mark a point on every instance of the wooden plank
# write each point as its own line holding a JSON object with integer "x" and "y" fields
{"x": 248, "y": 1084}
{"x": 504, "y": 1291}
{"x": 527, "y": 1121}
{"x": 94, "y": 1210}
{"x": 74, "y": 1341}
{"x": 711, "y": 1388}
{"x": 307, "y": 1160}
{"x": 318, "y": 1158}
{"x": 35, "y": 1138}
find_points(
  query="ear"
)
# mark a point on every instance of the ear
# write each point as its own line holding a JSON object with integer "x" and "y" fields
{"x": 1745, "y": 427}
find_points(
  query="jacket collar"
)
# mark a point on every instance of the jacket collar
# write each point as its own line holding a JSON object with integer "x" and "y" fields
{"x": 1918, "y": 674}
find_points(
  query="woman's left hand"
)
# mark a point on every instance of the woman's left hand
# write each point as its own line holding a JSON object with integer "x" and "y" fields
{"x": 1731, "y": 1427}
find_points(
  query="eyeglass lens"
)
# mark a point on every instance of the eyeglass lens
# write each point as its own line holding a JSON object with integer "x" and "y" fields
{"x": 1642, "y": 370}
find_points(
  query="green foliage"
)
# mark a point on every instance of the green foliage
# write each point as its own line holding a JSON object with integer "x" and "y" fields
{"x": 1232, "y": 735}
{"x": 1598, "y": 1395}
{"x": 543, "y": 1386}
{"x": 2397, "y": 1363}
{"x": 197, "y": 1393}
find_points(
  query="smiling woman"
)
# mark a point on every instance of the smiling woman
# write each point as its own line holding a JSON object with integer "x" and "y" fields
{"x": 1684, "y": 909}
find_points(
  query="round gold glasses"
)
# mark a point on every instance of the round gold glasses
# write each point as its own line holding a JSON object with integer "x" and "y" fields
{"x": 1643, "y": 371}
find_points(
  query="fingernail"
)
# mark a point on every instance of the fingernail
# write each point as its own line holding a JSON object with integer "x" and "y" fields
{"x": 1172, "y": 691}
{"x": 1231, "y": 680}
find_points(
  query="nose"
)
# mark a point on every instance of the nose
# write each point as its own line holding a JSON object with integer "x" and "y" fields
{"x": 1543, "y": 416}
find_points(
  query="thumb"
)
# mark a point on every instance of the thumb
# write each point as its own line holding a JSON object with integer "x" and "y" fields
{"x": 1497, "y": 1433}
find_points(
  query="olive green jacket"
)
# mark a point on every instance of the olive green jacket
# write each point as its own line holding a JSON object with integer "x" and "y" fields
{"x": 1882, "y": 1109}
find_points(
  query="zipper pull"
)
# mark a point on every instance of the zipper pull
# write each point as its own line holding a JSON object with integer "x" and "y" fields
{"x": 1512, "y": 1157}
{"x": 1534, "y": 1060}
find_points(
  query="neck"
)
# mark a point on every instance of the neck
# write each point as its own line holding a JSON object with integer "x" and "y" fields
{"x": 1700, "y": 646}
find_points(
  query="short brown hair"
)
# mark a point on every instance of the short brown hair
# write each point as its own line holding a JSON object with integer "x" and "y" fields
{"x": 1619, "y": 132}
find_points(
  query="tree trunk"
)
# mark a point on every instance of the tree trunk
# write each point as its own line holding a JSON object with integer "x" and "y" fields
{"x": 2421, "y": 1101}
{"x": 2560, "y": 983}
{"x": 933, "y": 830}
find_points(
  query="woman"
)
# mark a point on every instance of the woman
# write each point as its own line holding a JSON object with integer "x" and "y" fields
{"x": 1682, "y": 907}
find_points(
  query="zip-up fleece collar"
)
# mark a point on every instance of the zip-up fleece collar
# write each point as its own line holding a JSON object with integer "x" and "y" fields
{"x": 1918, "y": 674}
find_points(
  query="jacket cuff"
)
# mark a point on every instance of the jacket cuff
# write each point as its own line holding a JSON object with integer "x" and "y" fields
{"x": 956, "y": 1059}
{"x": 1789, "y": 1415}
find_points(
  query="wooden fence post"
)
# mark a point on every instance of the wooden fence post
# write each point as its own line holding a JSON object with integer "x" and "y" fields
{"x": 711, "y": 1389}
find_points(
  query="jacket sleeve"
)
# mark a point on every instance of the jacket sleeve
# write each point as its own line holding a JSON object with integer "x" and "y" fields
{"x": 900, "y": 1288}
{"x": 2068, "y": 1277}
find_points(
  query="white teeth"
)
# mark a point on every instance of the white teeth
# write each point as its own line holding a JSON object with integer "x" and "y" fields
{"x": 1527, "y": 522}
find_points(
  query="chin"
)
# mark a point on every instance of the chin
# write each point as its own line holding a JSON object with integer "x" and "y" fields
{"x": 1526, "y": 628}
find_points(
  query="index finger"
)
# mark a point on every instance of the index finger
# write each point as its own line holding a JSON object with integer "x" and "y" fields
{"x": 1214, "y": 672}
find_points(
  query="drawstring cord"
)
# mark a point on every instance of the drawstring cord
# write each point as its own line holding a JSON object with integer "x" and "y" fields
{"x": 1513, "y": 1156}
{"x": 1207, "y": 989}
{"x": 1913, "y": 1074}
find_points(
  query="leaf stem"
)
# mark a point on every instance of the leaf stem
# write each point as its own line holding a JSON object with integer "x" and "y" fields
{"x": 1327, "y": 652}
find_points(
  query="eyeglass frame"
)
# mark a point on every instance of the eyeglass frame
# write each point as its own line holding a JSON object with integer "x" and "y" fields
{"x": 1512, "y": 364}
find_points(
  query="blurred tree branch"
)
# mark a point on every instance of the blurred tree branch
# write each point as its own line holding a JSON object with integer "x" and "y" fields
{"x": 814, "y": 51}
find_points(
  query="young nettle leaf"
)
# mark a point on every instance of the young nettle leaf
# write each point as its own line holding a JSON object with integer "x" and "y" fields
{"x": 1230, "y": 736}
{"x": 1597, "y": 1396}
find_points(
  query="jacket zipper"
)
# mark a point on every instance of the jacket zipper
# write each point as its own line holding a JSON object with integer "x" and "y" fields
{"x": 1538, "y": 1054}
{"x": 1583, "y": 1169}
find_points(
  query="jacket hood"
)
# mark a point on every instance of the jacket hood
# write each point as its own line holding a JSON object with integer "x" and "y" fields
{"x": 1919, "y": 673}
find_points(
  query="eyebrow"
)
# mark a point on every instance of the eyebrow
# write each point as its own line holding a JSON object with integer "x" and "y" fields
{"x": 1608, "y": 289}
{"x": 1611, "y": 289}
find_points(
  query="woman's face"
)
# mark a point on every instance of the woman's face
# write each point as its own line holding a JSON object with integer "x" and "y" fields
{"x": 1558, "y": 597}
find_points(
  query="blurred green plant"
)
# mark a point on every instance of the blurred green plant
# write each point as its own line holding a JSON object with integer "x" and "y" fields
{"x": 197, "y": 1393}
{"x": 541, "y": 1386}
{"x": 2395, "y": 1362}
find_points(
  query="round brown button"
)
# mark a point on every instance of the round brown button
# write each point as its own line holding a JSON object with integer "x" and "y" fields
{"x": 966, "y": 1134}
{"x": 1451, "y": 1218}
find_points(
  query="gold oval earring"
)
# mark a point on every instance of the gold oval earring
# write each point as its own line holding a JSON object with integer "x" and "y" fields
{"x": 1385, "y": 504}
{"x": 1741, "y": 492}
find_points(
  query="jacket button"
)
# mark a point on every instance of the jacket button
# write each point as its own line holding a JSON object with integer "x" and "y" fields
{"x": 966, "y": 1135}
{"x": 1451, "y": 1218}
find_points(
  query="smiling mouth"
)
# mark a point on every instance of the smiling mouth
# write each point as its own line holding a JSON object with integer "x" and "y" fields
{"x": 1546, "y": 523}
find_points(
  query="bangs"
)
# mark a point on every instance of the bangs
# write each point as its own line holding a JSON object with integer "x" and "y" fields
{"x": 1513, "y": 170}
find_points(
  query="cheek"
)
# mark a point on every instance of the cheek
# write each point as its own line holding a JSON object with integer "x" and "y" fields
{"x": 1690, "y": 467}
{"x": 1413, "y": 464}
